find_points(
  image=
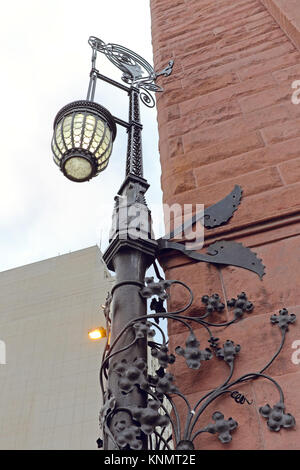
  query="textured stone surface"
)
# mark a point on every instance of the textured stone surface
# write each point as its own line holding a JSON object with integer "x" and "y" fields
{"x": 290, "y": 171}
{"x": 287, "y": 14}
{"x": 226, "y": 118}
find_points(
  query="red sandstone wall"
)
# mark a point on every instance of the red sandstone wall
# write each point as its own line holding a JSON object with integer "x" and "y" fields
{"x": 226, "y": 118}
{"x": 287, "y": 14}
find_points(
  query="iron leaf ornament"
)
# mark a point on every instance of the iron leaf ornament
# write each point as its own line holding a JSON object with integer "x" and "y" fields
{"x": 192, "y": 354}
{"x": 276, "y": 417}
{"x": 220, "y": 253}
{"x": 219, "y": 213}
{"x": 228, "y": 352}
{"x": 283, "y": 319}
{"x": 158, "y": 421}
{"x": 222, "y": 427}
{"x": 213, "y": 216}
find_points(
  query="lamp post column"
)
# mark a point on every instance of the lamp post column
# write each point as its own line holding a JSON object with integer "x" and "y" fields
{"x": 131, "y": 251}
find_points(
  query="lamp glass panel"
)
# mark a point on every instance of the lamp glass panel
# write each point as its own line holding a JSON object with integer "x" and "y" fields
{"x": 105, "y": 144}
{"x": 83, "y": 130}
{"x": 78, "y": 168}
{"x": 59, "y": 139}
{"x": 55, "y": 150}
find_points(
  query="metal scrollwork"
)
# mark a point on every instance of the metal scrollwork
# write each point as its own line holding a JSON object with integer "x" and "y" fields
{"x": 147, "y": 99}
{"x": 240, "y": 398}
{"x": 159, "y": 420}
{"x": 137, "y": 71}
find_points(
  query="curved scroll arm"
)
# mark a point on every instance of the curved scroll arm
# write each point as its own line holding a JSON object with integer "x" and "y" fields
{"x": 136, "y": 70}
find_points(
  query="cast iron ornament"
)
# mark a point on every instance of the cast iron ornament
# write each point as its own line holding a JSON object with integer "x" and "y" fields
{"x": 143, "y": 329}
{"x": 213, "y": 304}
{"x": 220, "y": 253}
{"x": 127, "y": 436}
{"x": 159, "y": 419}
{"x": 240, "y": 398}
{"x": 192, "y": 354}
{"x": 161, "y": 354}
{"x": 229, "y": 351}
{"x": 222, "y": 427}
{"x": 131, "y": 374}
{"x": 149, "y": 417}
{"x": 164, "y": 384}
{"x": 137, "y": 72}
{"x": 240, "y": 305}
{"x": 108, "y": 406}
{"x": 213, "y": 216}
{"x": 283, "y": 319}
{"x": 276, "y": 416}
{"x": 156, "y": 288}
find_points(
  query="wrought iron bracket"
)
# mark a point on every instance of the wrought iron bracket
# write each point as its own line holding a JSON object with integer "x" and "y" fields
{"x": 137, "y": 72}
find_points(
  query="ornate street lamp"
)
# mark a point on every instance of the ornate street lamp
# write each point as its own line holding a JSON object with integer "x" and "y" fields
{"x": 136, "y": 405}
{"x": 83, "y": 139}
{"x": 82, "y": 142}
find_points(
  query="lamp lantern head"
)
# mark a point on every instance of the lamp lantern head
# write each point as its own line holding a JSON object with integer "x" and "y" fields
{"x": 83, "y": 139}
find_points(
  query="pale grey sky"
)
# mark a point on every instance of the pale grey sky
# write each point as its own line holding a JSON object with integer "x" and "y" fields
{"x": 45, "y": 64}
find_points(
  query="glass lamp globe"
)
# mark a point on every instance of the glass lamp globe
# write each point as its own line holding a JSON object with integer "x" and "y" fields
{"x": 82, "y": 140}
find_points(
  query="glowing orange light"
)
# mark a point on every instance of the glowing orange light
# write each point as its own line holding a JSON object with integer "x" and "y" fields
{"x": 97, "y": 333}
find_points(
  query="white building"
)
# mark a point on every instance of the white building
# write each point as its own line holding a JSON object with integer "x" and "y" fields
{"x": 49, "y": 386}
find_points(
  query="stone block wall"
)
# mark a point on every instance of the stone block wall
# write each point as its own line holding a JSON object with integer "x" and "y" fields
{"x": 226, "y": 118}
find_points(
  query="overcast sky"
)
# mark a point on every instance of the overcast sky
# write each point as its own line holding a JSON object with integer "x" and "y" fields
{"x": 45, "y": 64}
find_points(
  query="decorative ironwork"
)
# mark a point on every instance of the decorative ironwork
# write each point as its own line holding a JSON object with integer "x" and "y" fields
{"x": 240, "y": 305}
{"x": 137, "y": 72}
{"x": 277, "y": 417}
{"x": 219, "y": 213}
{"x": 141, "y": 409}
{"x": 192, "y": 354}
{"x": 161, "y": 354}
{"x": 159, "y": 420}
{"x": 228, "y": 352}
{"x": 134, "y": 161}
{"x": 240, "y": 398}
{"x": 127, "y": 436}
{"x": 154, "y": 418}
{"x": 131, "y": 374}
{"x": 213, "y": 216}
{"x": 223, "y": 252}
{"x": 156, "y": 288}
{"x": 283, "y": 319}
{"x": 222, "y": 427}
{"x": 213, "y": 304}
